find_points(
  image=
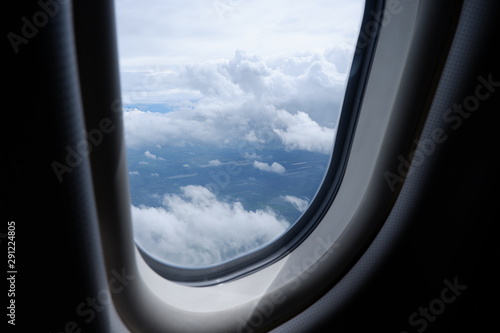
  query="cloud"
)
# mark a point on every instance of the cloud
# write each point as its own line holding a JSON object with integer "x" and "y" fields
{"x": 251, "y": 99}
{"x": 259, "y": 25}
{"x": 183, "y": 176}
{"x": 152, "y": 156}
{"x": 247, "y": 82}
{"x": 133, "y": 172}
{"x": 299, "y": 204}
{"x": 299, "y": 131}
{"x": 250, "y": 156}
{"x": 275, "y": 167}
{"x": 214, "y": 163}
{"x": 195, "y": 229}
{"x": 149, "y": 155}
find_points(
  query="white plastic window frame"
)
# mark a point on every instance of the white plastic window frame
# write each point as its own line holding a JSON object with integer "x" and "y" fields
{"x": 262, "y": 300}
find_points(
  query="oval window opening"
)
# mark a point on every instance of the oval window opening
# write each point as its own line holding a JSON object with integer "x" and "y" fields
{"x": 230, "y": 111}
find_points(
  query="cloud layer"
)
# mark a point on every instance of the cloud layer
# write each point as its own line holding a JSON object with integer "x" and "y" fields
{"x": 226, "y": 73}
{"x": 195, "y": 229}
{"x": 239, "y": 74}
{"x": 156, "y": 32}
{"x": 289, "y": 101}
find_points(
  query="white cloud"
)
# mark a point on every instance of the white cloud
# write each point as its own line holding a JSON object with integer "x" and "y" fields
{"x": 133, "y": 172}
{"x": 248, "y": 99}
{"x": 225, "y": 84}
{"x": 149, "y": 155}
{"x": 301, "y": 132}
{"x": 147, "y": 30}
{"x": 275, "y": 167}
{"x": 250, "y": 156}
{"x": 152, "y": 156}
{"x": 155, "y": 174}
{"x": 298, "y": 203}
{"x": 196, "y": 229}
{"x": 214, "y": 163}
{"x": 183, "y": 176}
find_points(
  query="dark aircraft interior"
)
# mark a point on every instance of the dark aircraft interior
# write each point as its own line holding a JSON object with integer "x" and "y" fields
{"x": 427, "y": 261}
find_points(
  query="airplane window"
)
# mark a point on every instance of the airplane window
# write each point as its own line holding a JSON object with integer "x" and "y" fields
{"x": 231, "y": 110}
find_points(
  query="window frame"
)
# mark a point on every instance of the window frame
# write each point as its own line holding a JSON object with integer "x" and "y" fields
{"x": 384, "y": 129}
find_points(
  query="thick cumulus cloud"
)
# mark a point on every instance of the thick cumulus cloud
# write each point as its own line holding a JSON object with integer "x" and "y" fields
{"x": 300, "y": 132}
{"x": 195, "y": 229}
{"x": 292, "y": 101}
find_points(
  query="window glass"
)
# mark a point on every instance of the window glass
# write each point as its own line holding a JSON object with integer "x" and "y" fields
{"x": 230, "y": 113}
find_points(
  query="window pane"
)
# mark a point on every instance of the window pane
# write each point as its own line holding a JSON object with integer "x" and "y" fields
{"x": 230, "y": 111}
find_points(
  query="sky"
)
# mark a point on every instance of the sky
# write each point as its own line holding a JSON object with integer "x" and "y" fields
{"x": 271, "y": 73}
